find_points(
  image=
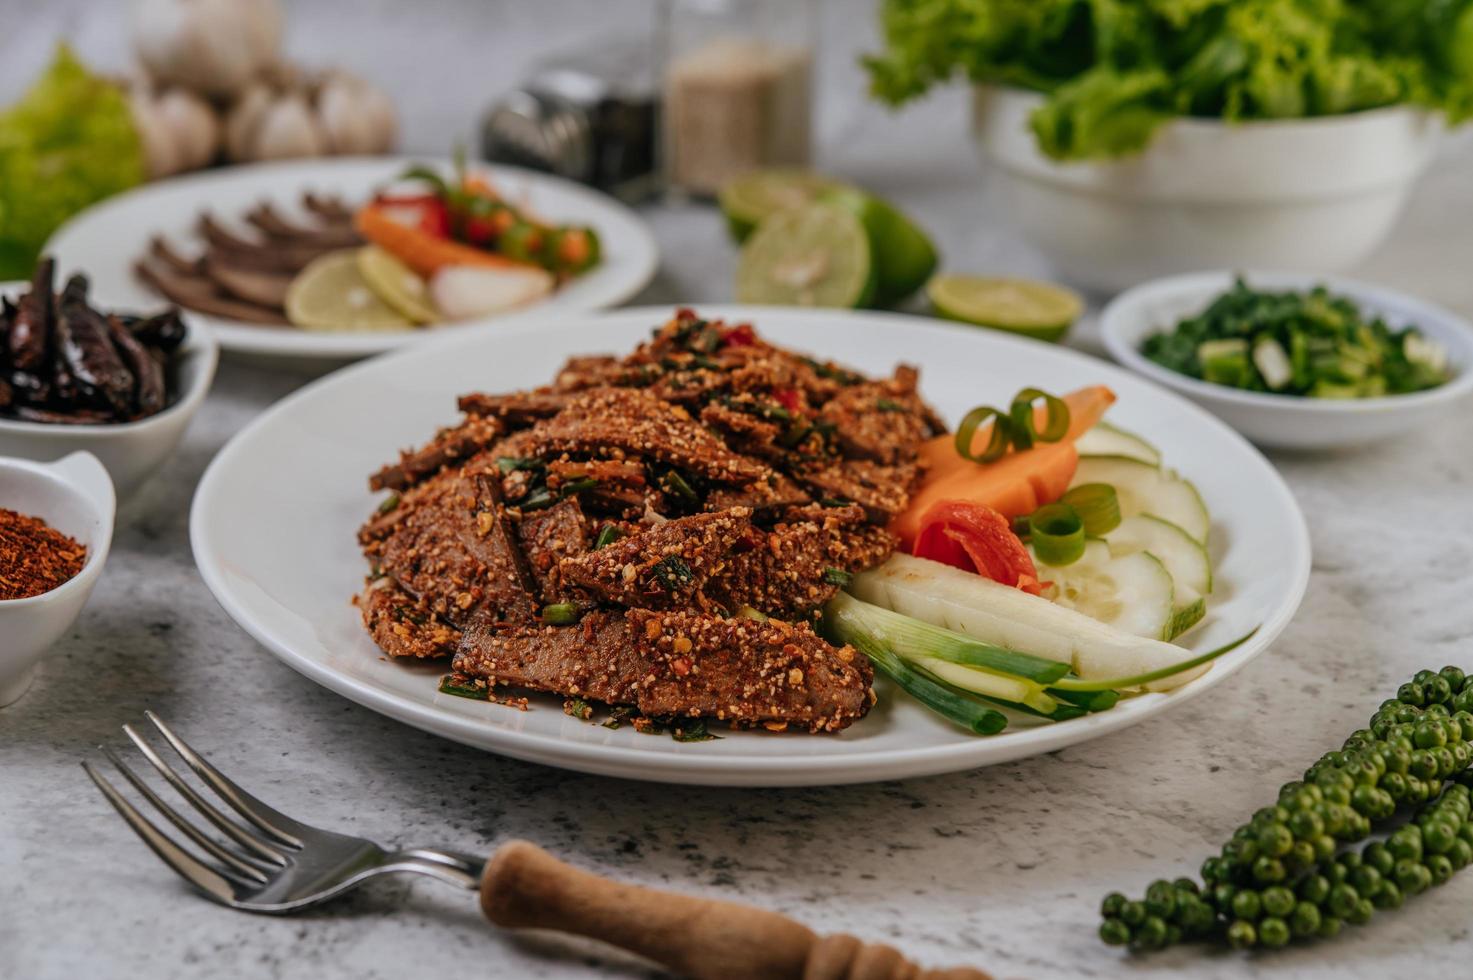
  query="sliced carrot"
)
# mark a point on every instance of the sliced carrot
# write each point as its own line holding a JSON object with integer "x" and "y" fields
{"x": 420, "y": 250}
{"x": 1015, "y": 485}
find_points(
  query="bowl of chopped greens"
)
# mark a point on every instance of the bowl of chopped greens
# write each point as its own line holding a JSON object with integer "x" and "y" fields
{"x": 1295, "y": 360}
{"x": 1144, "y": 137}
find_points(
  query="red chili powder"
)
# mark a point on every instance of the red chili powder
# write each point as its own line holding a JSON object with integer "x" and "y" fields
{"x": 34, "y": 556}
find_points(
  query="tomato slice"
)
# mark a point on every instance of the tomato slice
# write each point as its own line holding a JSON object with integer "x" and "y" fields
{"x": 976, "y": 538}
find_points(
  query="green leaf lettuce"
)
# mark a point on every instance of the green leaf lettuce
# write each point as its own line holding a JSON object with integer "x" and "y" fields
{"x": 68, "y": 142}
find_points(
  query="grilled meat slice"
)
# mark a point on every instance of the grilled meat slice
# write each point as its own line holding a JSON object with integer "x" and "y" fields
{"x": 447, "y": 543}
{"x": 402, "y": 625}
{"x": 449, "y": 445}
{"x": 619, "y": 422}
{"x": 549, "y": 536}
{"x": 883, "y": 491}
{"x": 883, "y": 421}
{"x": 775, "y": 493}
{"x": 518, "y": 409}
{"x": 747, "y": 672}
{"x": 593, "y": 659}
{"x": 662, "y": 566}
{"x": 799, "y": 565}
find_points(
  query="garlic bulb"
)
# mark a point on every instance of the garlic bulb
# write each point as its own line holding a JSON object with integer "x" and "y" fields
{"x": 356, "y": 117}
{"x": 194, "y": 126}
{"x": 288, "y": 129}
{"x": 244, "y": 120}
{"x": 161, "y": 157}
{"x": 178, "y": 130}
{"x": 214, "y": 47}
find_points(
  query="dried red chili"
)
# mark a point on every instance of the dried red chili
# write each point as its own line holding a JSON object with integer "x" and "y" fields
{"x": 34, "y": 556}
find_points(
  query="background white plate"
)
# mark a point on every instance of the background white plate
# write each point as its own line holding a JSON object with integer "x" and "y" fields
{"x": 107, "y": 239}
{"x": 274, "y": 518}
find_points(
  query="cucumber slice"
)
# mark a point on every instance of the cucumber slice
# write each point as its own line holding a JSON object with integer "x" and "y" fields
{"x": 1145, "y": 489}
{"x": 1184, "y": 556}
{"x": 1185, "y": 616}
{"x": 1104, "y": 439}
{"x": 1007, "y": 617}
{"x": 1133, "y": 593}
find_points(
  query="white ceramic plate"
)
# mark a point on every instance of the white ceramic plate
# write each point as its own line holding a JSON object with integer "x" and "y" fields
{"x": 107, "y": 239}
{"x": 1289, "y": 421}
{"x": 281, "y": 556}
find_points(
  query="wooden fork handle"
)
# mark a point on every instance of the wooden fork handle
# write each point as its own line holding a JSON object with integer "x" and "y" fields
{"x": 525, "y": 887}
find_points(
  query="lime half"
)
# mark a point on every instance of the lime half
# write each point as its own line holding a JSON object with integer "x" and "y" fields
{"x": 330, "y": 294}
{"x": 1035, "y": 309}
{"x": 818, "y": 255}
{"x": 397, "y": 284}
{"x": 747, "y": 199}
{"x": 904, "y": 256}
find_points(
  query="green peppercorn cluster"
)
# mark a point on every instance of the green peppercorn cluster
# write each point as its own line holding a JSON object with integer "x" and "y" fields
{"x": 1292, "y": 871}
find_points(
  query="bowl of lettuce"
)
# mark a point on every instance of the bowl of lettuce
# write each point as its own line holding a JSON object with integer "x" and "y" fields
{"x": 1139, "y": 138}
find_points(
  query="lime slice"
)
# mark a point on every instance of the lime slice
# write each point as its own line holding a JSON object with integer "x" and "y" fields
{"x": 818, "y": 255}
{"x": 332, "y": 295}
{"x": 904, "y": 255}
{"x": 396, "y": 284}
{"x": 746, "y": 200}
{"x": 1035, "y": 309}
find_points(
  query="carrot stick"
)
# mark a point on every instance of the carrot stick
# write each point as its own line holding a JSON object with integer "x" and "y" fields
{"x": 421, "y": 251}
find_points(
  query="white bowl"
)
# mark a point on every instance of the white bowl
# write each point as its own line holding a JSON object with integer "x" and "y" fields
{"x": 75, "y": 496}
{"x": 1290, "y": 421}
{"x": 131, "y": 451}
{"x": 1314, "y": 194}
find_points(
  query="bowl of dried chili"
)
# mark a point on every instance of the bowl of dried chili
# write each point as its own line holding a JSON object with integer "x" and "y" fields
{"x": 123, "y": 387}
{"x": 56, "y": 525}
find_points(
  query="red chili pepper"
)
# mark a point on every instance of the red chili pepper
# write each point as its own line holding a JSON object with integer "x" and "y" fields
{"x": 976, "y": 538}
{"x": 787, "y": 398}
{"x": 741, "y": 335}
{"x": 433, "y": 215}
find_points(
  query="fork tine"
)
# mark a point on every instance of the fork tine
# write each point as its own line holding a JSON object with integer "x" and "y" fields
{"x": 206, "y": 843}
{"x": 269, "y": 821}
{"x": 229, "y": 827}
{"x": 184, "y": 864}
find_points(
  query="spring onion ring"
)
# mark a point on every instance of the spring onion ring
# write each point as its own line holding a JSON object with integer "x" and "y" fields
{"x": 1057, "y": 534}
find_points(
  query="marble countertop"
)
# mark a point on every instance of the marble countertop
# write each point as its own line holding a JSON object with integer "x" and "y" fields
{"x": 1002, "y": 867}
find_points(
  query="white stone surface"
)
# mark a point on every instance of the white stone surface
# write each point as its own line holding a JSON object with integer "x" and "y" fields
{"x": 1002, "y": 868}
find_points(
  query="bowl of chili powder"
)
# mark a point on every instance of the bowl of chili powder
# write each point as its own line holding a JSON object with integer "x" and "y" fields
{"x": 56, "y": 525}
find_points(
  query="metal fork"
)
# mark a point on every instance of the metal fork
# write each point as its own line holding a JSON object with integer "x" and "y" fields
{"x": 264, "y": 861}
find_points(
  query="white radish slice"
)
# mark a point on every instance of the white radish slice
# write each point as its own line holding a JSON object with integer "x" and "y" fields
{"x": 460, "y": 292}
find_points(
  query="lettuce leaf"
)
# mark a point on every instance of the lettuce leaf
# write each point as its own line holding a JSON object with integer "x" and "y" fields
{"x": 1114, "y": 71}
{"x": 68, "y": 142}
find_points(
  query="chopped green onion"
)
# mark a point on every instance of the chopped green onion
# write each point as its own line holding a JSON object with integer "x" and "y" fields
{"x": 389, "y": 504}
{"x": 1023, "y": 418}
{"x": 1097, "y": 505}
{"x": 448, "y": 686}
{"x": 1088, "y": 700}
{"x": 837, "y": 576}
{"x": 510, "y": 464}
{"x": 673, "y": 572}
{"x": 1016, "y": 428}
{"x": 677, "y": 485}
{"x": 608, "y": 534}
{"x": 691, "y": 730}
{"x": 1116, "y": 683}
{"x": 1057, "y": 534}
{"x": 847, "y": 616}
{"x": 756, "y": 615}
{"x": 537, "y": 500}
{"x": 560, "y": 614}
{"x": 579, "y": 485}
{"x": 890, "y": 405}
{"x": 997, "y": 440}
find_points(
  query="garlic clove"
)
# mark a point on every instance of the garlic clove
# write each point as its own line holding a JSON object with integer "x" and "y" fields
{"x": 243, "y": 121}
{"x": 463, "y": 291}
{"x": 349, "y": 129}
{"x": 288, "y": 129}
{"x": 379, "y": 110}
{"x": 213, "y": 47}
{"x": 194, "y": 125}
{"x": 161, "y": 156}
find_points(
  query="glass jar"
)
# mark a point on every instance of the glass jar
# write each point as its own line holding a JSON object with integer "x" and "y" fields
{"x": 738, "y": 89}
